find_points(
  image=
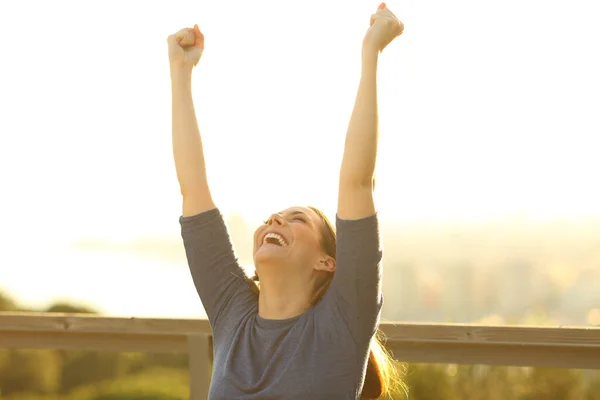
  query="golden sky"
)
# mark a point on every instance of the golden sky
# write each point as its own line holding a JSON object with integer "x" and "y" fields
{"x": 486, "y": 109}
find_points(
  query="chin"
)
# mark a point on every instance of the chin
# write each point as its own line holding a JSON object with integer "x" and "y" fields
{"x": 269, "y": 253}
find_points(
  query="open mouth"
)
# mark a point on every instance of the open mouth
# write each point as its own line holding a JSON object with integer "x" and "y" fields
{"x": 275, "y": 238}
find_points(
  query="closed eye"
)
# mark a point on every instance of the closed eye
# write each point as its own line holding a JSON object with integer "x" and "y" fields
{"x": 299, "y": 219}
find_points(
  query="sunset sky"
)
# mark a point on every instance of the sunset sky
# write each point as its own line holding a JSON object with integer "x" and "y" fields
{"x": 487, "y": 109}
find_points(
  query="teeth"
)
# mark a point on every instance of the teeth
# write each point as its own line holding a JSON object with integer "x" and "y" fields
{"x": 279, "y": 238}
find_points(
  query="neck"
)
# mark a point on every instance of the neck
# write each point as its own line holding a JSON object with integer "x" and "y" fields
{"x": 283, "y": 297}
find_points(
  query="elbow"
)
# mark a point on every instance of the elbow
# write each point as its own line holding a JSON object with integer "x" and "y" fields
{"x": 357, "y": 173}
{"x": 196, "y": 190}
{"x": 359, "y": 182}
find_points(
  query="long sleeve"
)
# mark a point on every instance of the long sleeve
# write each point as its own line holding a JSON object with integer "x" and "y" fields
{"x": 218, "y": 277}
{"x": 356, "y": 291}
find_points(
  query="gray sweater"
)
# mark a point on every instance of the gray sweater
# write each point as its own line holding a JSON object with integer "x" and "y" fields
{"x": 321, "y": 354}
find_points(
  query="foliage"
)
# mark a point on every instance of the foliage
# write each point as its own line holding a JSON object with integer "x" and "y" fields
{"x": 6, "y": 303}
{"x": 36, "y": 371}
{"x": 82, "y": 367}
{"x": 69, "y": 308}
{"x": 482, "y": 382}
{"x": 153, "y": 384}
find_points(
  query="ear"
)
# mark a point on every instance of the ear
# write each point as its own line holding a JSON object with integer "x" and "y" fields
{"x": 325, "y": 264}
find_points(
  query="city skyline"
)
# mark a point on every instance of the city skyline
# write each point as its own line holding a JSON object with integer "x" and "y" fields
{"x": 496, "y": 273}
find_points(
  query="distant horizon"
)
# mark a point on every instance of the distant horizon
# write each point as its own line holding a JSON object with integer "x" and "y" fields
{"x": 149, "y": 276}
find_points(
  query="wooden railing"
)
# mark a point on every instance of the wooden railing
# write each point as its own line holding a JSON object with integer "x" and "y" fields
{"x": 568, "y": 347}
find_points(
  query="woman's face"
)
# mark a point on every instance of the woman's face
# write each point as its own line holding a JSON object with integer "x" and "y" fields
{"x": 291, "y": 238}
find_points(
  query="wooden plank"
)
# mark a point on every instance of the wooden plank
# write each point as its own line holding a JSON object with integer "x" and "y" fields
{"x": 94, "y": 341}
{"x": 566, "y": 347}
{"x": 12, "y": 321}
{"x": 496, "y": 354}
{"x": 466, "y": 333}
{"x": 570, "y": 347}
{"x": 200, "y": 354}
{"x": 58, "y": 322}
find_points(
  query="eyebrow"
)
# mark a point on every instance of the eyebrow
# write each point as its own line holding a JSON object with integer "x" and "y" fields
{"x": 293, "y": 213}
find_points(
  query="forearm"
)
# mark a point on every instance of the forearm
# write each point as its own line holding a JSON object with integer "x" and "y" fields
{"x": 360, "y": 150}
{"x": 187, "y": 144}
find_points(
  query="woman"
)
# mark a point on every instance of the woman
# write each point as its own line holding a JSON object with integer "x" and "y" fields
{"x": 310, "y": 331}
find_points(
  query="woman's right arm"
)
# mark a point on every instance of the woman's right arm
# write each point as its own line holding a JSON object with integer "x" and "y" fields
{"x": 214, "y": 267}
{"x": 185, "y": 49}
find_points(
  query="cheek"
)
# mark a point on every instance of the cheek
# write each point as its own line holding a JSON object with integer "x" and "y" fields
{"x": 307, "y": 239}
{"x": 255, "y": 238}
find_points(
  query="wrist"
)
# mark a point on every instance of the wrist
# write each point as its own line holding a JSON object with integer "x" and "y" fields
{"x": 181, "y": 74}
{"x": 369, "y": 52}
{"x": 370, "y": 57}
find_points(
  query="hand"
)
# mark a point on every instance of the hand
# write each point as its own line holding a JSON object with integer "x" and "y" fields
{"x": 384, "y": 28}
{"x": 186, "y": 47}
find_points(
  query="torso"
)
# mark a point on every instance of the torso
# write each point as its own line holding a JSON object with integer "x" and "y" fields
{"x": 307, "y": 357}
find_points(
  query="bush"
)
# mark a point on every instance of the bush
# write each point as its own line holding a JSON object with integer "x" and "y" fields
{"x": 30, "y": 396}
{"x": 155, "y": 384}
{"x": 90, "y": 367}
{"x": 7, "y": 304}
{"x": 35, "y": 371}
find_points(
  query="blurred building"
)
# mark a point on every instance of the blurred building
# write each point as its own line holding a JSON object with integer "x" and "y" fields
{"x": 401, "y": 288}
{"x": 515, "y": 291}
{"x": 458, "y": 299}
{"x": 582, "y": 297}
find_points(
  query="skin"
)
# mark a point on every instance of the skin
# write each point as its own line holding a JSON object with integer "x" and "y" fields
{"x": 288, "y": 274}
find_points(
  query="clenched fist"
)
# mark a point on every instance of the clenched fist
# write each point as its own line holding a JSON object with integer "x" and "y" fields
{"x": 185, "y": 47}
{"x": 384, "y": 28}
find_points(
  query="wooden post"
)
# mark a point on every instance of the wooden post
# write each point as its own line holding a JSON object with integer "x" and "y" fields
{"x": 199, "y": 351}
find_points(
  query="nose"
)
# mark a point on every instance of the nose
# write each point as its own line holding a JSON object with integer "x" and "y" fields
{"x": 275, "y": 219}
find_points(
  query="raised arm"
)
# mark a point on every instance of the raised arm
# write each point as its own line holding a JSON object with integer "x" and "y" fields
{"x": 185, "y": 49}
{"x": 355, "y": 197}
{"x": 218, "y": 277}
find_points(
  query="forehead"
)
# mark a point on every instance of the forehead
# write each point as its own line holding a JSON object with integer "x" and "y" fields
{"x": 301, "y": 210}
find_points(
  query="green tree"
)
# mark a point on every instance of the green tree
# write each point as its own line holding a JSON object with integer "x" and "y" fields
{"x": 88, "y": 367}
{"x": 6, "y": 303}
{"x": 429, "y": 382}
{"x": 593, "y": 387}
{"x": 155, "y": 384}
{"x": 70, "y": 308}
{"x": 35, "y": 371}
{"x": 554, "y": 384}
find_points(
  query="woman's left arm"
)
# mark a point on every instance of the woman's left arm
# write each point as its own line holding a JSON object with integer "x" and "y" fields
{"x": 355, "y": 195}
{"x": 356, "y": 286}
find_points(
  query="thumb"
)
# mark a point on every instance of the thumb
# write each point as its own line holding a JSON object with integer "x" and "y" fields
{"x": 199, "y": 37}
{"x": 374, "y": 18}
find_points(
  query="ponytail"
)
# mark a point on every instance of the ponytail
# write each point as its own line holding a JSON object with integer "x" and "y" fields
{"x": 383, "y": 376}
